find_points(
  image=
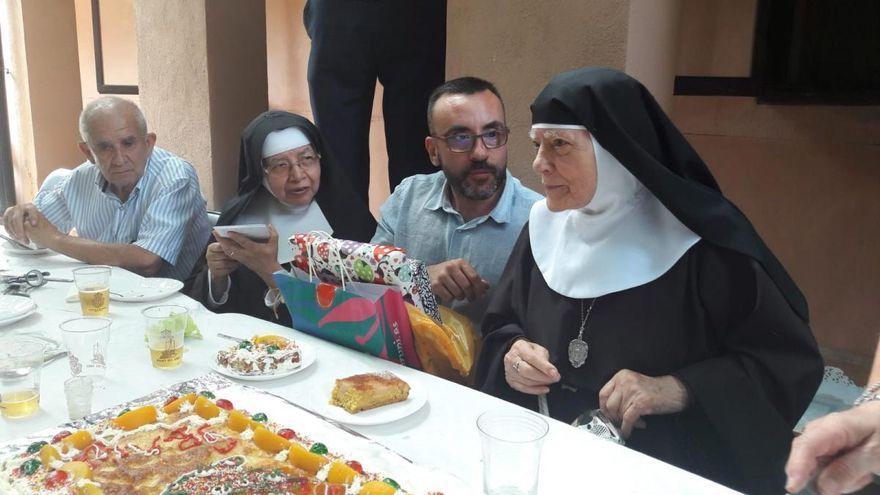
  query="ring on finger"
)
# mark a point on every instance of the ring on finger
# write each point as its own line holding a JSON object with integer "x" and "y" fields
{"x": 516, "y": 366}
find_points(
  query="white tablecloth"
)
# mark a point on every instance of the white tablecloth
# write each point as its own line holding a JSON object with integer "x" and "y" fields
{"x": 441, "y": 435}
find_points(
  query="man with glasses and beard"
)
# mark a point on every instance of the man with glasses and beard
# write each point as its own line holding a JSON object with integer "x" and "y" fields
{"x": 463, "y": 221}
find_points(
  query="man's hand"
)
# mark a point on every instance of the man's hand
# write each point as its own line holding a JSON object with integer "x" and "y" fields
{"x": 848, "y": 442}
{"x": 16, "y": 217}
{"x": 527, "y": 368}
{"x": 260, "y": 257}
{"x": 629, "y": 395}
{"x": 456, "y": 280}
{"x": 39, "y": 229}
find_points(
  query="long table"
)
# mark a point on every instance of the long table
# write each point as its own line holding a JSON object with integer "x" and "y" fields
{"x": 442, "y": 435}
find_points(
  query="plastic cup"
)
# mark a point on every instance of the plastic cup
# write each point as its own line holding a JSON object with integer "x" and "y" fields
{"x": 20, "y": 362}
{"x": 512, "y": 444}
{"x": 165, "y": 326}
{"x": 93, "y": 285}
{"x": 78, "y": 392}
{"x": 86, "y": 341}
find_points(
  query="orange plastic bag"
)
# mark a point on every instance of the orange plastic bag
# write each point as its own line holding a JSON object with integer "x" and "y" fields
{"x": 446, "y": 350}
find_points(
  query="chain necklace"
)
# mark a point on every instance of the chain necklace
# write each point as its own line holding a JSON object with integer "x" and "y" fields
{"x": 578, "y": 350}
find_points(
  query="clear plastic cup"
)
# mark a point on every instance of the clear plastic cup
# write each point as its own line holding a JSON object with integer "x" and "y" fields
{"x": 86, "y": 341}
{"x": 165, "y": 326}
{"x": 512, "y": 442}
{"x": 78, "y": 392}
{"x": 93, "y": 285}
{"x": 20, "y": 362}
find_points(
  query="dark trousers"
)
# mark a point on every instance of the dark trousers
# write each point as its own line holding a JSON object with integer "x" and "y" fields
{"x": 354, "y": 42}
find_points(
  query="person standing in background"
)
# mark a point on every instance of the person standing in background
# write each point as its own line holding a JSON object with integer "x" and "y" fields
{"x": 354, "y": 42}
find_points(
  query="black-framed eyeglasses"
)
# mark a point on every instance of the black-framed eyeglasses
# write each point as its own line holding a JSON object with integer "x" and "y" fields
{"x": 305, "y": 162}
{"x": 462, "y": 142}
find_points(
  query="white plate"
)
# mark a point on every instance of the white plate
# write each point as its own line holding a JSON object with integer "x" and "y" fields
{"x": 14, "y": 306}
{"x": 22, "y": 316}
{"x": 17, "y": 251}
{"x": 418, "y": 396}
{"x": 307, "y": 356}
{"x": 144, "y": 289}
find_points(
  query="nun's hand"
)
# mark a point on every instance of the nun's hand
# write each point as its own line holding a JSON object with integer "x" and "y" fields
{"x": 219, "y": 264}
{"x": 259, "y": 257}
{"x": 527, "y": 368}
{"x": 629, "y": 395}
{"x": 456, "y": 280}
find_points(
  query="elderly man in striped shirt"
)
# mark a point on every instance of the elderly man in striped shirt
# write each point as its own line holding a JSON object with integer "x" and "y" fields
{"x": 133, "y": 204}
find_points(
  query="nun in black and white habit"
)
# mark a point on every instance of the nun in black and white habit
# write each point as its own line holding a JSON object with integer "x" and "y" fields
{"x": 638, "y": 288}
{"x": 289, "y": 181}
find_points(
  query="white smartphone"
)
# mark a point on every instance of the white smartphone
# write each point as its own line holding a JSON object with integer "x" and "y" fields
{"x": 256, "y": 232}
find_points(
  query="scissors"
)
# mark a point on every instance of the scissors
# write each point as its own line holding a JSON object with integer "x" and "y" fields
{"x": 33, "y": 278}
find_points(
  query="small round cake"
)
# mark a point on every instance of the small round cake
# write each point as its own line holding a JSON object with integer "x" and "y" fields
{"x": 261, "y": 355}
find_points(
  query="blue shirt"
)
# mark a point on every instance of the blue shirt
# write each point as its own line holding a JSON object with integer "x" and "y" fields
{"x": 164, "y": 214}
{"x": 420, "y": 218}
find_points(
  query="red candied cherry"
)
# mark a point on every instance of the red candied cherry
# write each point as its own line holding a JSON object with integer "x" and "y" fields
{"x": 56, "y": 478}
{"x": 356, "y": 466}
{"x": 287, "y": 433}
{"x": 61, "y": 436}
{"x": 336, "y": 490}
{"x": 223, "y": 404}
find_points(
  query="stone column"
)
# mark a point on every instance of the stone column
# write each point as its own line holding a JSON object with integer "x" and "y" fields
{"x": 202, "y": 78}
{"x": 652, "y": 46}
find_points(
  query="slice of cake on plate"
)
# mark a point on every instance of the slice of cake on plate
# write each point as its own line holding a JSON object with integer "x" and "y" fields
{"x": 368, "y": 391}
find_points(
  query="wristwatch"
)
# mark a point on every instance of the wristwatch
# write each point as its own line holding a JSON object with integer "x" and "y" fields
{"x": 871, "y": 393}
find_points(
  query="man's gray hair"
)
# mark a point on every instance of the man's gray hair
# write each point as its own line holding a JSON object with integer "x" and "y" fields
{"x": 108, "y": 104}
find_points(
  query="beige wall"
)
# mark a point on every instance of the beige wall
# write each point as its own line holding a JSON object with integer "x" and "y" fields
{"x": 806, "y": 176}
{"x": 715, "y": 37}
{"x": 119, "y": 42}
{"x": 520, "y": 44}
{"x": 287, "y": 47}
{"x": 119, "y": 60}
{"x": 39, "y": 39}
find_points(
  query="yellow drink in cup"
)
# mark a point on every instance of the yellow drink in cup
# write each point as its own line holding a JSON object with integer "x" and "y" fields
{"x": 95, "y": 302}
{"x": 166, "y": 358}
{"x": 19, "y": 403}
{"x": 93, "y": 285}
{"x": 165, "y": 326}
{"x": 20, "y": 361}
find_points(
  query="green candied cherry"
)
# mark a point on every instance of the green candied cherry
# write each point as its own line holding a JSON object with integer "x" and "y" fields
{"x": 272, "y": 348}
{"x": 30, "y": 466}
{"x": 35, "y": 447}
{"x": 318, "y": 448}
{"x": 389, "y": 481}
{"x": 260, "y": 417}
{"x": 209, "y": 395}
{"x": 246, "y": 344}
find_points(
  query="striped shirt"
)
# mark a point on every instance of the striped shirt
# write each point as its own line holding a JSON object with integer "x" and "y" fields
{"x": 164, "y": 214}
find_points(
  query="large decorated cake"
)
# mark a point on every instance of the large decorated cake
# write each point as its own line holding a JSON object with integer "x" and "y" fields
{"x": 193, "y": 444}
